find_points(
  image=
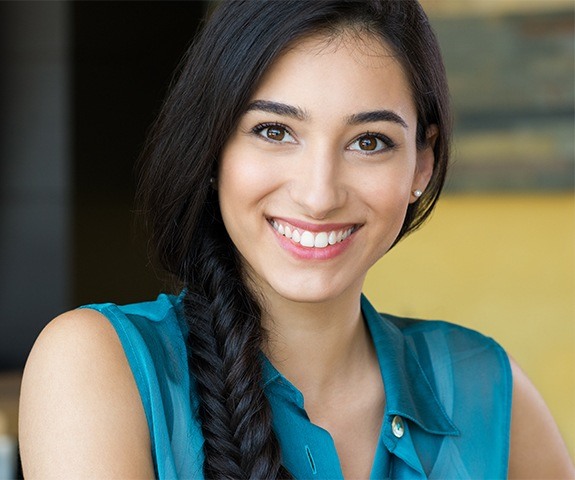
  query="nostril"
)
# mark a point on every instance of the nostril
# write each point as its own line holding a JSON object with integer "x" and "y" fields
{"x": 310, "y": 459}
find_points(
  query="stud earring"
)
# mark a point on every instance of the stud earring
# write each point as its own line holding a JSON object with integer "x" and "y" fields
{"x": 213, "y": 183}
{"x": 417, "y": 193}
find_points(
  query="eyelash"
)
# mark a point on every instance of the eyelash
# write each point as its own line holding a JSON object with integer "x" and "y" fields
{"x": 258, "y": 129}
{"x": 389, "y": 144}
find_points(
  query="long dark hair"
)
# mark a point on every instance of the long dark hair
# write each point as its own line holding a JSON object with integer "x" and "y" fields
{"x": 218, "y": 76}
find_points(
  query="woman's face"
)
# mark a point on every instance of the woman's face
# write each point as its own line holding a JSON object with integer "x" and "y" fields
{"x": 315, "y": 181}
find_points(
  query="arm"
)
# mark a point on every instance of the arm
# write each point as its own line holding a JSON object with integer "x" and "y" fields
{"x": 537, "y": 449}
{"x": 80, "y": 410}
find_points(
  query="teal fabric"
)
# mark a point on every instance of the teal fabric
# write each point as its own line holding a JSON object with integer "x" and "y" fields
{"x": 448, "y": 394}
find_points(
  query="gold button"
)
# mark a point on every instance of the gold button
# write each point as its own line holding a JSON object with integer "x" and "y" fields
{"x": 397, "y": 426}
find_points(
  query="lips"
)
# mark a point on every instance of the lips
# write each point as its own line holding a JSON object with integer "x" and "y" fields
{"x": 312, "y": 239}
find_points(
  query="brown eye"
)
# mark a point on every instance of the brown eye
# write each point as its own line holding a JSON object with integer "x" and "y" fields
{"x": 371, "y": 143}
{"x": 367, "y": 142}
{"x": 276, "y": 133}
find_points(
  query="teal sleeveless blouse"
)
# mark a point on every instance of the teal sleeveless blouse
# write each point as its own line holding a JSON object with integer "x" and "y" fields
{"x": 448, "y": 399}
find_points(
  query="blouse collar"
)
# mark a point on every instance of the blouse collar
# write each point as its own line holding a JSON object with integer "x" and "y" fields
{"x": 408, "y": 391}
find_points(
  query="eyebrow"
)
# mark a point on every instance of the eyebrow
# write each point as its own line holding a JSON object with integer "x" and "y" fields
{"x": 278, "y": 108}
{"x": 376, "y": 116}
{"x": 299, "y": 114}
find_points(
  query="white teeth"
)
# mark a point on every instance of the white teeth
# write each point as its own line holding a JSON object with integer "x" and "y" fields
{"x": 332, "y": 239}
{"x": 320, "y": 240}
{"x": 308, "y": 239}
{"x": 295, "y": 236}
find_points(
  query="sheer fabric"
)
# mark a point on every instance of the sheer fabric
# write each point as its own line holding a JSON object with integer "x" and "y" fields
{"x": 448, "y": 398}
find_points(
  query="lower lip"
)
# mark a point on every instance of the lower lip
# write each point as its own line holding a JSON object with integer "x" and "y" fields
{"x": 310, "y": 253}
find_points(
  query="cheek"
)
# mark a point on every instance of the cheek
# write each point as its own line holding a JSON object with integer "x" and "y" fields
{"x": 387, "y": 199}
{"x": 388, "y": 190}
{"x": 390, "y": 211}
{"x": 242, "y": 184}
{"x": 237, "y": 176}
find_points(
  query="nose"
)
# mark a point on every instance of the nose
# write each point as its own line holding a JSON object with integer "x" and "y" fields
{"x": 318, "y": 185}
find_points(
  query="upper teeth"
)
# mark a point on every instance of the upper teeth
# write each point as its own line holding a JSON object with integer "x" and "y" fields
{"x": 309, "y": 239}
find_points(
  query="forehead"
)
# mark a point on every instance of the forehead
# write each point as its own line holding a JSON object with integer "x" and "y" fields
{"x": 366, "y": 48}
{"x": 348, "y": 70}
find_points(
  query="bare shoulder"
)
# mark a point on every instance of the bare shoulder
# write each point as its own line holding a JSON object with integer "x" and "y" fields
{"x": 537, "y": 449}
{"x": 80, "y": 405}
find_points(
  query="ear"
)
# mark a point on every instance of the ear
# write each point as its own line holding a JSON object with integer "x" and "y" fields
{"x": 424, "y": 163}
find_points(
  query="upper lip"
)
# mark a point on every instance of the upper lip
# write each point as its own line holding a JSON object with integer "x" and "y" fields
{"x": 314, "y": 227}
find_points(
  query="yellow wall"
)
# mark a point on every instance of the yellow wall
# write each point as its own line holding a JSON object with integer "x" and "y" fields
{"x": 504, "y": 265}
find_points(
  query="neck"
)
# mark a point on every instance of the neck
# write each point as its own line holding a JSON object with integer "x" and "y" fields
{"x": 318, "y": 346}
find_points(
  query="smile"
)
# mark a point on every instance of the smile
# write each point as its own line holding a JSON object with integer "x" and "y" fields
{"x": 309, "y": 239}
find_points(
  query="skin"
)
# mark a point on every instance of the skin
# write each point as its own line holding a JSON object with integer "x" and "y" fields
{"x": 317, "y": 174}
{"x": 307, "y": 168}
{"x": 80, "y": 411}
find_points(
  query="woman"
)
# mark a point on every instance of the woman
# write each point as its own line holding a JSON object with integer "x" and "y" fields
{"x": 300, "y": 143}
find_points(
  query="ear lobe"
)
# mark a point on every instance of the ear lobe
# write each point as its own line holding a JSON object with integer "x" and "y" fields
{"x": 424, "y": 162}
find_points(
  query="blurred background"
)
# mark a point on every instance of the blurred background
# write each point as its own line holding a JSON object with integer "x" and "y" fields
{"x": 81, "y": 82}
{"x": 498, "y": 255}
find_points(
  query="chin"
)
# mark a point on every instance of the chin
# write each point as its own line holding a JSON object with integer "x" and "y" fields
{"x": 304, "y": 292}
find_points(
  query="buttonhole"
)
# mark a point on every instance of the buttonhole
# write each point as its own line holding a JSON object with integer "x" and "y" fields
{"x": 310, "y": 459}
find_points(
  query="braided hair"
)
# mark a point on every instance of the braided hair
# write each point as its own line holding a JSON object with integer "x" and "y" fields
{"x": 215, "y": 82}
